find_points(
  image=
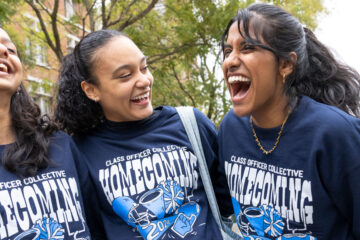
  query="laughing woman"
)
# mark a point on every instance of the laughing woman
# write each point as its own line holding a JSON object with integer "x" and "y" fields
{"x": 39, "y": 188}
{"x": 290, "y": 147}
{"x": 140, "y": 159}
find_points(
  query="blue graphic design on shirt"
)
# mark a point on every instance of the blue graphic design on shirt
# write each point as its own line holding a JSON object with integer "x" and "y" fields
{"x": 47, "y": 228}
{"x": 266, "y": 222}
{"x": 158, "y": 210}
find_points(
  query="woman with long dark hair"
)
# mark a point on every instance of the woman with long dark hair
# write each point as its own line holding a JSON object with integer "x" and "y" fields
{"x": 39, "y": 187}
{"x": 140, "y": 159}
{"x": 290, "y": 147}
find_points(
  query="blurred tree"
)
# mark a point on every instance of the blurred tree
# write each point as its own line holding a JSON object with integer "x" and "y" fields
{"x": 7, "y": 9}
{"x": 180, "y": 38}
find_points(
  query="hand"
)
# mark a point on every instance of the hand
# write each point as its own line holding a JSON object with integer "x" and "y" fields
{"x": 183, "y": 224}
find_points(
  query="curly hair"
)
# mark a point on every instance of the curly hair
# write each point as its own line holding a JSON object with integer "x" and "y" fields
{"x": 29, "y": 153}
{"x": 316, "y": 73}
{"x": 75, "y": 112}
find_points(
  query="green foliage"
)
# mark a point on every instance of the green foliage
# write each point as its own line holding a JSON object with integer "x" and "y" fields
{"x": 7, "y": 9}
{"x": 181, "y": 40}
{"x": 305, "y": 10}
{"x": 182, "y": 45}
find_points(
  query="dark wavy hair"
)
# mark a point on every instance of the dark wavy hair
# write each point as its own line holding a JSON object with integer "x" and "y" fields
{"x": 75, "y": 112}
{"x": 316, "y": 73}
{"x": 29, "y": 153}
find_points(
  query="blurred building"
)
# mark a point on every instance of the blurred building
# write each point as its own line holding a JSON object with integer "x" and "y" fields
{"x": 41, "y": 67}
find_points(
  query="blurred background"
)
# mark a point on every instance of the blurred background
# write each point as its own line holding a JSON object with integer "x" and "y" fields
{"x": 180, "y": 38}
{"x": 338, "y": 29}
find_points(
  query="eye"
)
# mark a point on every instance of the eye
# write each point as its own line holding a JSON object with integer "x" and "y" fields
{"x": 11, "y": 50}
{"x": 144, "y": 69}
{"x": 248, "y": 47}
{"x": 227, "y": 52}
{"x": 125, "y": 75}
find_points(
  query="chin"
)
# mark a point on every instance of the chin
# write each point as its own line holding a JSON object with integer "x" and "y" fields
{"x": 146, "y": 112}
{"x": 240, "y": 111}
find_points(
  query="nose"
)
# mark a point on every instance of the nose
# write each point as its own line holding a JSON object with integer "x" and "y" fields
{"x": 232, "y": 62}
{"x": 144, "y": 80}
{"x": 3, "y": 51}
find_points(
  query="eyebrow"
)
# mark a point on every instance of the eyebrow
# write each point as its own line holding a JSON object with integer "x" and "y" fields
{"x": 226, "y": 45}
{"x": 6, "y": 40}
{"x": 143, "y": 59}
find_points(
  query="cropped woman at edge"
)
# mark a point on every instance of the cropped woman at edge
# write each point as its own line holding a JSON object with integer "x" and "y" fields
{"x": 290, "y": 147}
{"x": 39, "y": 187}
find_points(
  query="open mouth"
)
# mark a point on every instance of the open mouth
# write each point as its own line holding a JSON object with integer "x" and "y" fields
{"x": 4, "y": 68}
{"x": 239, "y": 86}
{"x": 141, "y": 98}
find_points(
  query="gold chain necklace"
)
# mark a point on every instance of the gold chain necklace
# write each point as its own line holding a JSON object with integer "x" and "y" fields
{"x": 277, "y": 139}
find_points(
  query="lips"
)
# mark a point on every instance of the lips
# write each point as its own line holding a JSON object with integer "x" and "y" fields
{"x": 3, "y": 68}
{"x": 141, "y": 98}
{"x": 239, "y": 86}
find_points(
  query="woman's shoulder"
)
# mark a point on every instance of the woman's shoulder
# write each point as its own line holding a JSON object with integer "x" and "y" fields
{"x": 329, "y": 118}
{"x": 60, "y": 136}
{"x": 231, "y": 119}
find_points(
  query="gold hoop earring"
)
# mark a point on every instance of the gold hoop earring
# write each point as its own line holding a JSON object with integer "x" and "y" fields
{"x": 284, "y": 78}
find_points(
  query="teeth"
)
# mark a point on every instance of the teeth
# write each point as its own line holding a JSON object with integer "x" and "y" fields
{"x": 233, "y": 79}
{"x": 141, "y": 96}
{"x": 3, "y": 68}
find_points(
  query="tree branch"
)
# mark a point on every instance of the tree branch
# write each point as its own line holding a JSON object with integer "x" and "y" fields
{"x": 55, "y": 30}
{"x": 123, "y": 12}
{"x": 43, "y": 27}
{"x": 110, "y": 11}
{"x": 182, "y": 87}
{"x": 157, "y": 57}
{"x": 103, "y": 13}
{"x": 89, "y": 12}
{"x": 142, "y": 14}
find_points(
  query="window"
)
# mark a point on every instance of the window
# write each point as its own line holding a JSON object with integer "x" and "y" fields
{"x": 39, "y": 94}
{"x": 69, "y": 9}
{"x": 34, "y": 47}
{"x": 71, "y": 42}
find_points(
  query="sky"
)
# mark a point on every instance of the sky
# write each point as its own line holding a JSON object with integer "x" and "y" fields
{"x": 340, "y": 30}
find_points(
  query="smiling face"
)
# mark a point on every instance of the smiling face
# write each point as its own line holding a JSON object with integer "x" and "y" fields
{"x": 252, "y": 76}
{"x": 10, "y": 65}
{"x": 124, "y": 81}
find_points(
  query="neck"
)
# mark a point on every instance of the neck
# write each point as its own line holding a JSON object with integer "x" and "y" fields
{"x": 7, "y": 134}
{"x": 271, "y": 117}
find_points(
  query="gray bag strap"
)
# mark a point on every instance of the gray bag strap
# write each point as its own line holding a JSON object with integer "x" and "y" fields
{"x": 188, "y": 119}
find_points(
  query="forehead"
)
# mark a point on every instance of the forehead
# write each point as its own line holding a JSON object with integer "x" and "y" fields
{"x": 234, "y": 32}
{"x": 4, "y": 37}
{"x": 119, "y": 48}
{"x": 254, "y": 34}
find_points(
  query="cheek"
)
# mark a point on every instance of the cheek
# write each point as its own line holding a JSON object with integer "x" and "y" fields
{"x": 224, "y": 67}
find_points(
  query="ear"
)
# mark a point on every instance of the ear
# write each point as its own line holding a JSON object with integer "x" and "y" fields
{"x": 286, "y": 67}
{"x": 90, "y": 90}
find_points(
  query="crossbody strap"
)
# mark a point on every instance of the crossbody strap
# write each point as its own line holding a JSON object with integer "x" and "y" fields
{"x": 188, "y": 119}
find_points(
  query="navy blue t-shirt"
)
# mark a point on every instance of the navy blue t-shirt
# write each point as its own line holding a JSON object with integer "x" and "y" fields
{"x": 308, "y": 187}
{"x": 48, "y": 205}
{"x": 147, "y": 177}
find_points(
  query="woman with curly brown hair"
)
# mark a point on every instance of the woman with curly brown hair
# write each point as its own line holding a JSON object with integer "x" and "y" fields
{"x": 140, "y": 159}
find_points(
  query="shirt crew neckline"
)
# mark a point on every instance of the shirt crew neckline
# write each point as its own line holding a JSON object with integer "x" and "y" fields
{"x": 269, "y": 133}
{"x": 124, "y": 129}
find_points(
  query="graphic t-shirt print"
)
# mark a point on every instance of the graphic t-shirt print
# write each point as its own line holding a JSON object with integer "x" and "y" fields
{"x": 270, "y": 202}
{"x": 152, "y": 191}
{"x": 46, "y": 206}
